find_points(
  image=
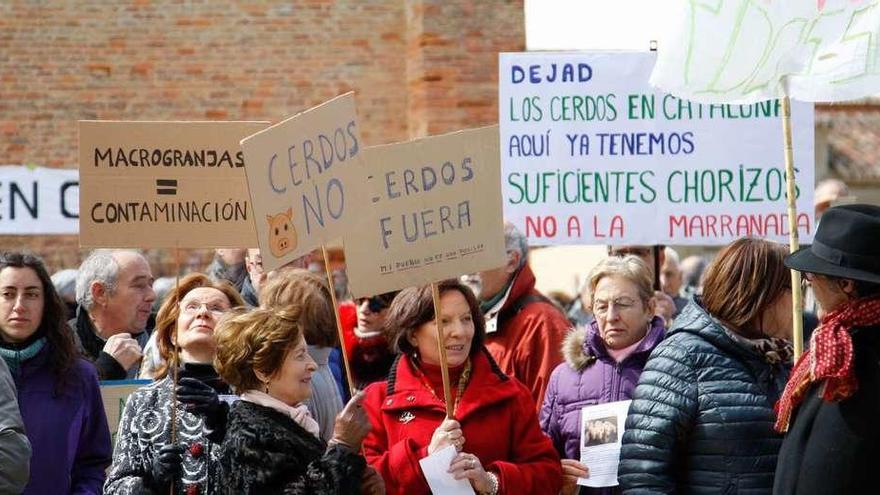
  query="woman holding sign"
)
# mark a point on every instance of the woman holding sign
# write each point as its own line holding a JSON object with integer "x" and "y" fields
{"x": 702, "y": 417}
{"x": 499, "y": 446}
{"x": 166, "y": 440}
{"x": 58, "y": 392}
{"x": 603, "y": 363}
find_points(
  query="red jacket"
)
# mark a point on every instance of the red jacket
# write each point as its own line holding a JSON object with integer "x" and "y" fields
{"x": 369, "y": 357}
{"x": 497, "y": 418}
{"x": 528, "y": 344}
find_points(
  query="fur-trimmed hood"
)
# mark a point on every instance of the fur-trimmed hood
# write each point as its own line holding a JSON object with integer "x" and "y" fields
{"x": 581, "y": 348}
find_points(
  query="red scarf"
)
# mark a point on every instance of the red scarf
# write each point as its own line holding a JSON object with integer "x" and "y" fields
{"x": 829, "y": 359}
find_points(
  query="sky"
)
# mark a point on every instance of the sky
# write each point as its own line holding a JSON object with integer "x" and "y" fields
{"x": 594, "y": 24}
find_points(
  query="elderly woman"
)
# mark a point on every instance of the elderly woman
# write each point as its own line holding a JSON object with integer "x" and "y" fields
{"x": 306, "y": 298}
{"x": 602, "y": 363}
{"x": 831, "y": 404}
{"x": 58, "y": 392}
{"x": 702, "y": 415}
{"x": 146, "y": 459}
{"x": 273, "y": 443}
{"x": 494, "y": 426}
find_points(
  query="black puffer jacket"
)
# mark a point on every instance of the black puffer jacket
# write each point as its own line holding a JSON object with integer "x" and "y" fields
{"x": 702, "y": 415}
{"x": 267, "y": 452}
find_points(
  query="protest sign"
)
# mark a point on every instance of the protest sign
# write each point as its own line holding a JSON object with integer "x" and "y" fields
{"x": 114, "y": 394}
{"x": 303, "y": 177}
{"x": 164, "y": 184}
{"x": 753, "y": 51}
{"x": 592, "y": 154}
{"x": 38, "y": 200}
{"x": 435, "y": 212}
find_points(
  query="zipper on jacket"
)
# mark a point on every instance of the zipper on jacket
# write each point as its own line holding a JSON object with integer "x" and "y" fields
{"x": 615, "y": 388}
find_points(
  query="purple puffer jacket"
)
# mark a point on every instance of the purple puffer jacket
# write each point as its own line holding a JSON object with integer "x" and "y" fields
{"x": 582, "y": 380}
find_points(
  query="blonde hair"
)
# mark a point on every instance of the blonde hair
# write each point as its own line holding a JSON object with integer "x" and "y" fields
{"x": 253, "y": 341}
{"x": 631, "y": 268}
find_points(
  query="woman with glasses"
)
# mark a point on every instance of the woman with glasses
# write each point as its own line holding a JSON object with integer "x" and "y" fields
{"x": 57, "y": 391}
{"x": 604, "y": 361}
{"x": 146, "y": 459}
{"x": 368, "y": 351}
{"x": 702, "y": 416}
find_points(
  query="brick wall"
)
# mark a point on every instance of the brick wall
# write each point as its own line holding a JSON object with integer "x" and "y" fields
{"x": 419, "y": 67}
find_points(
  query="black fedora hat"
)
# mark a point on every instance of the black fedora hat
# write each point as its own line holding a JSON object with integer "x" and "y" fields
{"x": 846, "y": 245}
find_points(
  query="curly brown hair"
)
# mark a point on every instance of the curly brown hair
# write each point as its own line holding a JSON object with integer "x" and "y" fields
{"x": 166, "y": 319}
{"x": 305, "y": 296}
{"x": 414, "y": 306}
{"x": 251, "y": 341}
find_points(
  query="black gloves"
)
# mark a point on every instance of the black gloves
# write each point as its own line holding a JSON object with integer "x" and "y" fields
{"x": 203, "y": 400}
{"x": 166, "y": 467}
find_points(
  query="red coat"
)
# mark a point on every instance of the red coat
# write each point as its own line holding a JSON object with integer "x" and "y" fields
{"x": 528, "y": 345}
{"x": 369, "y": 357}
{"x": 498, "y": 420}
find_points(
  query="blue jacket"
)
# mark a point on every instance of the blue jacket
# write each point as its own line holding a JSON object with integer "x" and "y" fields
{"x": 702, "y": 415}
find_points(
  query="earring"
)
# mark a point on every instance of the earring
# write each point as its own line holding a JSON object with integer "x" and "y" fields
{"x": 266, "y": 388}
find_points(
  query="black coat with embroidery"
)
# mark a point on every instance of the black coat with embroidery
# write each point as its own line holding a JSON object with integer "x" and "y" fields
{"x": 267, "y": 452}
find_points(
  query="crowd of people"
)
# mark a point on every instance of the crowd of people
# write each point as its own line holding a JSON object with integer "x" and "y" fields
{"x": 249, "y": 393}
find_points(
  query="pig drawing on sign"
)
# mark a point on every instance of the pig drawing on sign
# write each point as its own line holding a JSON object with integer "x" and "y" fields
{"x": 282, "y": 233}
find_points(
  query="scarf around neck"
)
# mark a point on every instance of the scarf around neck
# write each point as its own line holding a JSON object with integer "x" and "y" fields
{"x": 829, "y": 360}
{"x": 16, "y": 355}
{"x": 299, "y": 413}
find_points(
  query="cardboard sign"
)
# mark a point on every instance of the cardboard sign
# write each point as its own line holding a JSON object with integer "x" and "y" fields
{"x": 114, "y": 394}
{"x": 435, "y": 213}
{"x": 303, "y": 176}
{"x": 753, "y": 51}
{"x": 592, "y": 154}
{"x": 38, "y": 200}
{"x": 164, "y": 184}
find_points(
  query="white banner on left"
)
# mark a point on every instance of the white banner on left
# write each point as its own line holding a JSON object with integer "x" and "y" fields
{"x": 38, "y": 200}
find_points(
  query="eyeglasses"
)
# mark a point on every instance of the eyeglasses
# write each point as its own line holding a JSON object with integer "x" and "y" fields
{"x": 192, "y": 308}
{"x": 622, "y": 304}
{"x": 376, "y": 304}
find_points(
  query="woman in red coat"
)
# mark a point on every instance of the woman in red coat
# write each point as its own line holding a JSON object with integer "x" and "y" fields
{"x": 501, "y": 449}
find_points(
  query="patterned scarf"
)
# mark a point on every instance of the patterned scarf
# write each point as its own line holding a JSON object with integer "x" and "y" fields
{"x": 829, "y": 359}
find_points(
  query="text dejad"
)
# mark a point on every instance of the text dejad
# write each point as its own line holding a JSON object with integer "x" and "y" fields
{"x": 308, "y": 161}
{"x": 435, "y": 219}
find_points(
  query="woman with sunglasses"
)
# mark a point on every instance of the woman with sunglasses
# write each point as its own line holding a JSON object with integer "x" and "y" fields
{"x": 701, "y": 420}
{"x": 146, "y": 459}
{"x": 602, "y": 363}
{"x": 369, "y": 355}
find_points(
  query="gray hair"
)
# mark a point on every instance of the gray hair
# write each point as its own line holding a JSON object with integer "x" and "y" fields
{"x": 515, "y": 241}
{"x": 672, "y": 256}
{"x": 630, "y": 267}
{"x": 100, "y": 266}
{"x": 65, "y": 282}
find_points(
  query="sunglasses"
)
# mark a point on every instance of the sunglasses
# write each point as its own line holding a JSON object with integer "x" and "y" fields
{"x": 375, "y": 304}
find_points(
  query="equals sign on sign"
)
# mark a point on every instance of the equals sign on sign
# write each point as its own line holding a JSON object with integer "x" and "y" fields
{"x": 166, "y": 186}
